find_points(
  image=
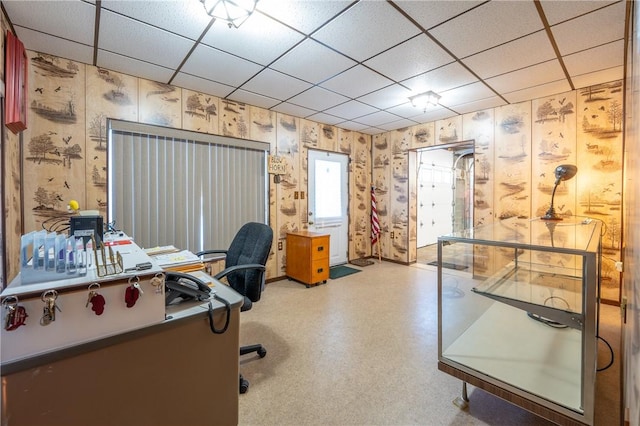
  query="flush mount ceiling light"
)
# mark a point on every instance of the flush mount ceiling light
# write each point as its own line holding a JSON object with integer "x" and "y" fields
{"x": 234, "y": 12}
{"x": 423, "y": 100}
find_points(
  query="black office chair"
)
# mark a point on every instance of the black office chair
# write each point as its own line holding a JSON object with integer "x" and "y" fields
{"x": 245, "y": 271}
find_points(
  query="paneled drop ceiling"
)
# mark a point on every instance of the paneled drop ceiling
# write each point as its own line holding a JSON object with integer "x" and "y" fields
{"x": 352, "y": 64}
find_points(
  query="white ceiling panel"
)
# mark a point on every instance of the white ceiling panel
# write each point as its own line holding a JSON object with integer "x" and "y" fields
{"x": 388, "y": 97}
{"x": 559, "y": 11}
{"x": 349, "y": 63}
{"x": 187, "y": 18}
{"x": 356, "y": 81}
{"x": 276, "y": 85}
{"x": 55, "y": 46}
{"x": 312, "y": 62}
{"x": 218, "y": 66}
{"x": 71, "y": 20}
{"x": 435, "y": 12}
{"x": 520, "y": 53}
{"x": 599, "y": 58}
{"x": 132, "y": 66}
{"x": 305, "y": 16}
{"x": 351, "y": 110}
{"x": 360, "y": 32}
{"x": 253, "y": 99}
{"x": 397, "y": 124}
{"x": 527, "y": 77}
{"x": 413, "y": 57}
{"x": 263, "y": 41}
{"x": 202, "y": 85}
{"x": 318, "y": 99}
{"x": 540, "y": 91}
{"x": 441, "y": 79}
{"x": 161, "y": 48}
{"x": 600, "y": 27}
{"x": 487, "y": 26}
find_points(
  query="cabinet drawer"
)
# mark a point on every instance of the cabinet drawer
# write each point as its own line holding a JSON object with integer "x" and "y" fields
{"x": 319, "y": 270}
{"x": 319, "y": 248}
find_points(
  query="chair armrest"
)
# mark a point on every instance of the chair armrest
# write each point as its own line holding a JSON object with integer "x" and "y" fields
{"x": 203, "y": 252}
{"x": 230, "y": 269}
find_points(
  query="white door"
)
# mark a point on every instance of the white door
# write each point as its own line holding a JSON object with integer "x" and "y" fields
{"x": 328, "y": 201}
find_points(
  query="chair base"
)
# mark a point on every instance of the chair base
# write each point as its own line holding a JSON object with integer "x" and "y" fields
{"x": 261, "y": 351}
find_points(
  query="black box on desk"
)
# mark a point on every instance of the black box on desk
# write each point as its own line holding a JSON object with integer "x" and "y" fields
{"x": 86, "y": 227}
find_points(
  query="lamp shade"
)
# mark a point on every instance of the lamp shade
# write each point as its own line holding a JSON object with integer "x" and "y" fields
{"x": 562, "y": 172}
{"x": 234, "y": 12}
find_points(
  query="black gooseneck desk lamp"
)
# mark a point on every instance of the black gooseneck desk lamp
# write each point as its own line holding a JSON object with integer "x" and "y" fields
{"x": 563, "y": 172}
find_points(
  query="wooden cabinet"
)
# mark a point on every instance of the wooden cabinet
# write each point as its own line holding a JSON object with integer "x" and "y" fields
{"x": 308, "y": 257}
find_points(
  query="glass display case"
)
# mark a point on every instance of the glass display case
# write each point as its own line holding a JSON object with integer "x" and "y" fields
{"x": 518, "y": 313}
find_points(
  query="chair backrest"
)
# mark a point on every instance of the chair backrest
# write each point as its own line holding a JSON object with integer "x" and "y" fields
{"x": 251, "y": 244}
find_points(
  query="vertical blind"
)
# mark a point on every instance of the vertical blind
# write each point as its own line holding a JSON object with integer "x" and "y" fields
{"x": 175, "y": 187}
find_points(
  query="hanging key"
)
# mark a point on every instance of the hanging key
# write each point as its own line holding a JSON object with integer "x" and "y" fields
{"x": 49, "y": 310}
{"x": 95, "y": 299}
{"x": 9, "y": 314}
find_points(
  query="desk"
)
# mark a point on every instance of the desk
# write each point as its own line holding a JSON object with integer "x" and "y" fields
{"x": 170, "y": 373}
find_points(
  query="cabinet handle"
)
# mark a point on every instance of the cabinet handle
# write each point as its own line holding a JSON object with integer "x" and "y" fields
{"x": 321, "y": 248}
{"x": 320, "y": 270}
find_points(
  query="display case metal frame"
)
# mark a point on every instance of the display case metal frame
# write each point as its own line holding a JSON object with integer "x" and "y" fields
{"x": 494, "y": 291}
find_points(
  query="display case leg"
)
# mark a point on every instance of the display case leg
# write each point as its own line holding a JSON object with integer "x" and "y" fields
{"x": 462, "y": 401}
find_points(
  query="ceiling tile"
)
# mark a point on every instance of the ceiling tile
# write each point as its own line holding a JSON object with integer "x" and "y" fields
{"x": 253, "y": 99}
{"x": 397, "y": 124}
{"x": 558, "y": 11}
{"x": 445, "y": 78}
{"x": 218, "y": 66}
{"x": 306, "y": 16}
{"x": 295, "y": 110}
{"x": 318, "y": 99}
{"x": 350, "y": 110}
{"x": 599, "y": 58}
{"x": 324, "y": 118}
{"x": 72, "y": 20}
{"x": 356, "y": 81}
{"x": 260, "y": 39}
{"x": 312, "y": 62}
{"x": 202, "y": 85}
{"x": 408, "y": 110}
{"x": 596, "y": 28}
{"x": 388, "y": 97}
{"x": 469, "y": 93}
{"x": 482, "y": 104}
{"x": 133, "y": 67}
{"x": 487, "y": 26}
{"x": 522, "y": 52}
{"x": 377, "y": 118}
{"x": 611, "y": 74}
{"x": 187, "y": 18}
{"x": 528, "y": 77}
{"x": 355, "y": 126}
{"x": 158, "y": 47}
{"x": 540, "y": 91}
{"x": 413, "y": 57}
{"x": 437, "y": 12}
{"x": 276, "y": 85}
{"x": 60, "y": 47}
{"x": 360, "y": 32}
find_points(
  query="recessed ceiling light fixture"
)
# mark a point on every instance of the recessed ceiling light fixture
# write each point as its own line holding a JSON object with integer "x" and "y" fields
{"x": 234, "y": 12}
{"x": 423, "y": 100}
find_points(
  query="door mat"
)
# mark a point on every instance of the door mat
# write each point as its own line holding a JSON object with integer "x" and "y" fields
{"x": 448, "y": 265}
{"x": 341, "y": 271}
{"x": 362, "y": 262}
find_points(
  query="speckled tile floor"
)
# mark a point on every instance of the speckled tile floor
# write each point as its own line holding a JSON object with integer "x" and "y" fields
{"x": 362, "y": 350}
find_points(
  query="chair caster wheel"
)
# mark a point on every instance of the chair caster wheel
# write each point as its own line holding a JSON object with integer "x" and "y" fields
{"x": 262, "y": 352}
{"x": 244, "y": 385}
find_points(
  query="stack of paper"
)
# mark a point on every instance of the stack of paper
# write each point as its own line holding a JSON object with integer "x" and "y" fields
{"x": 179, "y": 261}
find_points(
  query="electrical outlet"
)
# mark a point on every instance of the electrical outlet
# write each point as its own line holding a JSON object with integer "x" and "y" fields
{"x": 302, "y": 195}
{"x": 391, "y": 235}
{"x": 279, "y": 245}
{"x": 296, "y": 194}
